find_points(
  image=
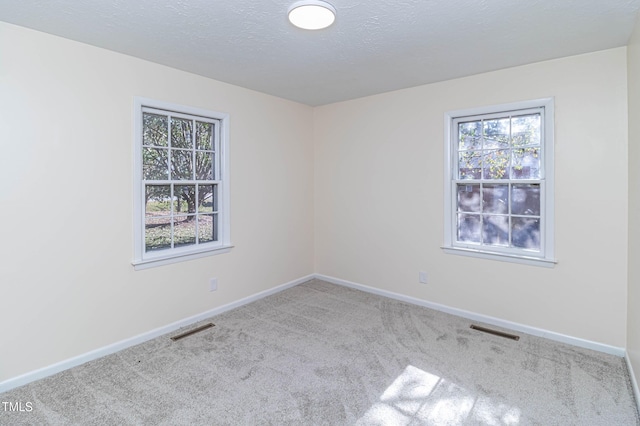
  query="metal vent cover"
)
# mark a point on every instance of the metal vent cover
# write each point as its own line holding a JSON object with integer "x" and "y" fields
{"x": 194, "y": 331}
{"x": 495, "y": 332}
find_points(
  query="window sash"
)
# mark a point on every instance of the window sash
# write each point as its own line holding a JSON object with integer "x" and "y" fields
{"x": 490, "y": 247}
{"x": 172, "y": 215}
{"x": 215, "y": 148}
{"x": 455, "y": 140}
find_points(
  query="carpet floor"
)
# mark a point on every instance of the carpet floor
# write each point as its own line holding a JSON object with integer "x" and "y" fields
{"x": 322, "y": 354}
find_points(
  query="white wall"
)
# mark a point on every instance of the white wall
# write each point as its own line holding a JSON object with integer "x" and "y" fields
{"x": 66, "y": 282}
{"x": 633, "y": 297}
{"x": 379, "y": 197}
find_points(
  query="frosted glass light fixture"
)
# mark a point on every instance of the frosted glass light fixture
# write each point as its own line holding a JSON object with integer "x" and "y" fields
{"x": 312, "y": 14}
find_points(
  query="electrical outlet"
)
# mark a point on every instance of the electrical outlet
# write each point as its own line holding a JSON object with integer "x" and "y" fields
{"x": 213, "y": 284}
{"x": 422, "y": 277}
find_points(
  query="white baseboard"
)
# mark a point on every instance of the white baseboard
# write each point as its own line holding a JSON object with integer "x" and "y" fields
{"x": 575, "y": 341}
{"x": 118, "y": 346}
{"x": 123, "y": 344}
{"x": 634, "y": 383}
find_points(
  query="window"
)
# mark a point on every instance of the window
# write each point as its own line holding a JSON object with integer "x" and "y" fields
{"x": 181, "y": 183}
{"x": 499, "y": 182}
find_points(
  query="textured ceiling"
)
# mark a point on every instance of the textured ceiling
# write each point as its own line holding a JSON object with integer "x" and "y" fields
{"x": 374, "y": 46}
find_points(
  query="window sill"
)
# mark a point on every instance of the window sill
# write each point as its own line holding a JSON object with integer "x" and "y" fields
{"x": 141, "y": 264}
{"x": 502, "y": 257}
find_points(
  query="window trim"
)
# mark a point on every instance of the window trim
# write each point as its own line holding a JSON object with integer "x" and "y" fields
{"x": 144, "y": 260}
{"x": 450, "y": 245}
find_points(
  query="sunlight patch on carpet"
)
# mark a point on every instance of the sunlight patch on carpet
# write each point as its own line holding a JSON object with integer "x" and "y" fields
{"x": 418, "y": 395}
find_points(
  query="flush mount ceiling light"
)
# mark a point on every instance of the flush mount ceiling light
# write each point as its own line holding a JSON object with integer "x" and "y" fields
{"x": 312, "y": 14}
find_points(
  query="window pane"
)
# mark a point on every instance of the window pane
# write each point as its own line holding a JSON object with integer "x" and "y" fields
{"x": 525, "y": 130}
{"x": 157, "y": 233}
{"x": 469, "y": 198}
{"x": 157, "y": 200}
{"x": 155, "y": 164}
{"x": 526, "y": 163}
{"x": 184, "y": 230}
{"x": 495, "y": 230}
{"x": 181, "y": 164}
{"x": 469, "y": 165}
{"x": 206, "y": 228}
{"x": 154, "y": 129}
{"x": 181, "y": 133}
{"x": 186, "y": 196}
{"x": 495, "y": 198}
{"x": 204, "y": 166}
{"x": 525, "y": 199}
{"x": 495, "y": 164}
{"x": 525, "y": 233}
{"x": 469, "y": 228}
{"x": 496, "y": 133}
{"x": 205, "y": 199}
{"x": 470, "y": 135}
{"x": 204, "y": 135}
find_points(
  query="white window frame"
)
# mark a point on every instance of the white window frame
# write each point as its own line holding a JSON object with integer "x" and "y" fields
{"x": 144, "y": 260}
{"x": 545, "y": 257}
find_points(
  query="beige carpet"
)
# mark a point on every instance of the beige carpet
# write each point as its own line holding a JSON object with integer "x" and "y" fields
{"x": 321, "y": 354}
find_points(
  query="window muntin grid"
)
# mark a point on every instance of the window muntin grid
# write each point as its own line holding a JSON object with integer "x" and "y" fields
{"x": 498, "y": 184}
{"x": 180, "y": 180}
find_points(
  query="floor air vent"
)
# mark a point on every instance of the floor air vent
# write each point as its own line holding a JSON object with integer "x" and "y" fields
{"x": 190, "y": 332}
{"x": 495, "y": 332}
